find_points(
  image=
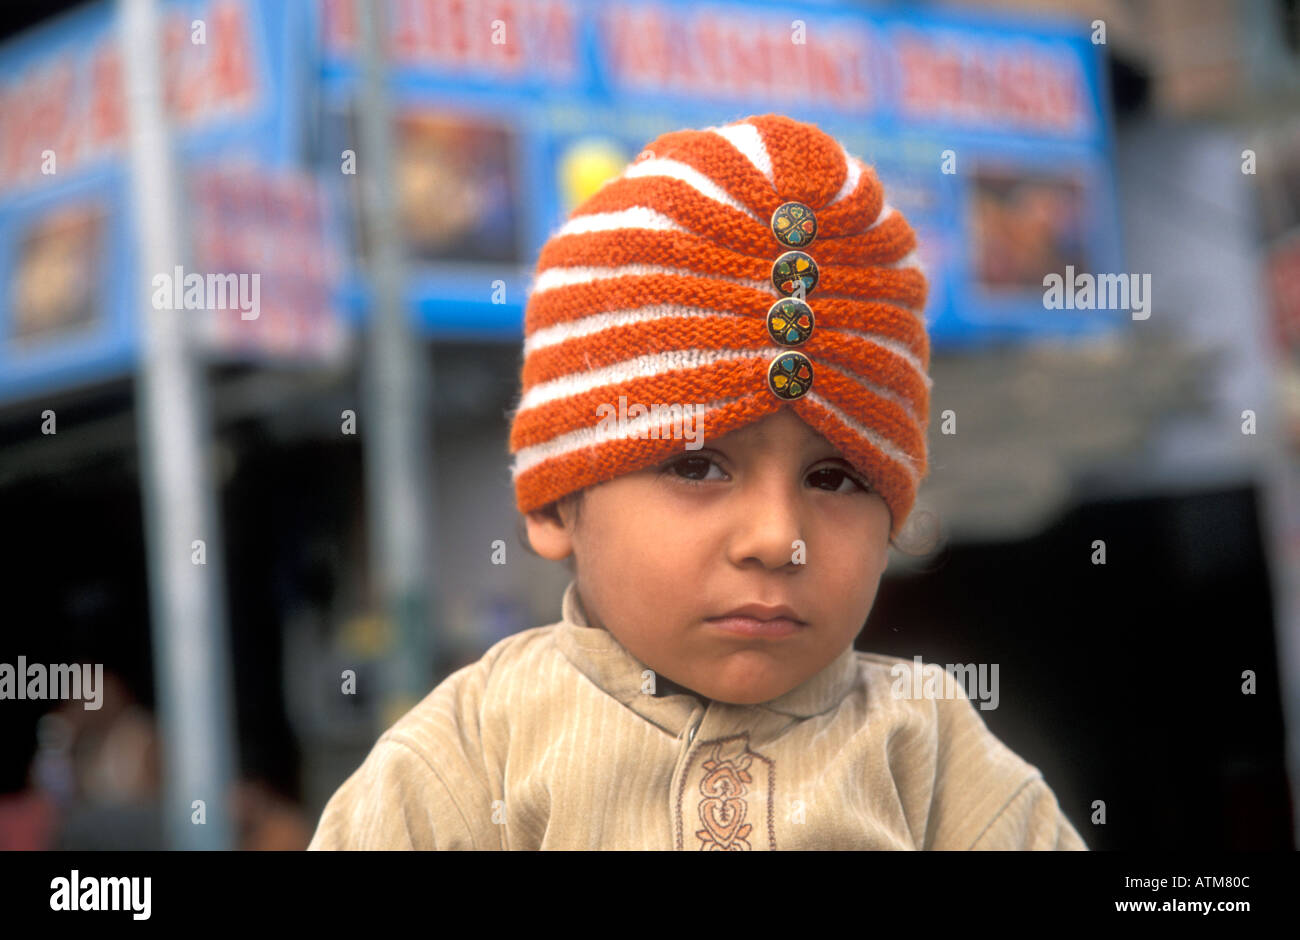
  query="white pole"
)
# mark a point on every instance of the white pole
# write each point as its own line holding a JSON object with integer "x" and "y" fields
{"x": 191, "y": 665}
{"x": 397, "y": 420}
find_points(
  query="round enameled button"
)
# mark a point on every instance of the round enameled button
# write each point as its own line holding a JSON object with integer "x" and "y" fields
{"x": 790, "y": 376}
{"x": 794, "y": 225}
{"x": 792, "y": 268}
{"x": 790, "y": 321}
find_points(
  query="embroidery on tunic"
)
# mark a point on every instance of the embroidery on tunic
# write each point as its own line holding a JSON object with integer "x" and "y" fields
{"x": 726, "y": 783}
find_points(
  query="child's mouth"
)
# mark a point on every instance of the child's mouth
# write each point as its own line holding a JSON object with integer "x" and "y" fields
{"x": 751, "y": 626}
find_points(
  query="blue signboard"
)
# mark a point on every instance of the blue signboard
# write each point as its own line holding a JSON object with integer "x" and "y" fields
{"x": 233, "y": 75}
{"x": 990, "y": 133}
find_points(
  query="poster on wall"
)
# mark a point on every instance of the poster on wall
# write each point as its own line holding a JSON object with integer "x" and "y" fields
{"x": 58, "y": 261}
{"x": 271, "y": 233}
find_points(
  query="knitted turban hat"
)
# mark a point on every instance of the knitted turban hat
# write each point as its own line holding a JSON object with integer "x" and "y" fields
{"x": 742, "y": 269}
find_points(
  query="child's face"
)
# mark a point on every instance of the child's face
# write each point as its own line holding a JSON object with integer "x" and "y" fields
{"x": 658, "y": 556}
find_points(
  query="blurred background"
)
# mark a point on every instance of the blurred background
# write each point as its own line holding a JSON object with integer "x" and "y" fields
{"x": 234, "y": 515}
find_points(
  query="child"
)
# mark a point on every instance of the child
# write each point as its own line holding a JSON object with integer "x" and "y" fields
{"x": 701, "y": 690}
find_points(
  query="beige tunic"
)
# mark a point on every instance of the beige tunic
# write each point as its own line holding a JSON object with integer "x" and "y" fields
{"x": 552, "y": 741}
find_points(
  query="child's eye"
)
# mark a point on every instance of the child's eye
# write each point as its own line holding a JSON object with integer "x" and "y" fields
{"x": 835, "y": 477}
{"x": 692, "y": 470}
{"x": 695, "y": 470}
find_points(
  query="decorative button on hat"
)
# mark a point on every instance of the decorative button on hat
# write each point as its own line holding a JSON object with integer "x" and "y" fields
{"x": 794, "y": 225}
{"x": 790, "y": 321}
{"x": 792, "y": 267}
{"x": 790, "y": 376}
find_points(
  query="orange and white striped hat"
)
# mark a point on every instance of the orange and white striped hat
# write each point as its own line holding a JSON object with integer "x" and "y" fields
{"x": 740, "y": 269}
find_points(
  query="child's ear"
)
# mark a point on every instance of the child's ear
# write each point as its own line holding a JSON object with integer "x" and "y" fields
{"x": 548, "y": 534}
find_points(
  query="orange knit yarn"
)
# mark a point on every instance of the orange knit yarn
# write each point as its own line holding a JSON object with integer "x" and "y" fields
{"x": 658, "y": 287}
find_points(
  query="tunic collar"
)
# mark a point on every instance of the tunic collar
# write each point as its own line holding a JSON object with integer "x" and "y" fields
{"x": 606, "y": 662}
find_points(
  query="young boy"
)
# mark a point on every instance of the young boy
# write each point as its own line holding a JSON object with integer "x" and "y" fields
{"x": 701, "y": 690}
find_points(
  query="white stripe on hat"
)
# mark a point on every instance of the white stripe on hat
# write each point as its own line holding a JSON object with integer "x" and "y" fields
{"x": 882, "y": 444}
{"x": 746, "y": 138}
{"x": 639, "y": 367}
{"x": 634, "y": 217}
{"x": 613, "y": 319}
{"x": 873, "y": 388}
{"x": 618, "y": 373}
{"x": 652, "y": 220}
{"x": 911, "y": 260}
{"x": 564, "y": 444}
{"x": 596, "y": 323}
{"x": 850, "y": 181}
{"x": 675, "y": 169}
{"x": 895, "y": 346}
{"x": 556, "y": 277}
{"x": 649, "y": 219}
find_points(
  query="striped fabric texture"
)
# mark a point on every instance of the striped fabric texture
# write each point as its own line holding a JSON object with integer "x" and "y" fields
{"x": 657, "y": 288}
{"x": 549, "y": 742}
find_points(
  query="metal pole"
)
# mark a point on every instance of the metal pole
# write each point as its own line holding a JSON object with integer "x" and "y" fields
{"x": 191, "y": 666}
{"x": 397, "y": 422}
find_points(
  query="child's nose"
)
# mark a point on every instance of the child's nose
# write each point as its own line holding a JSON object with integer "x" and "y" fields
{"x": 766, "y": 525}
